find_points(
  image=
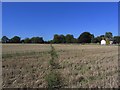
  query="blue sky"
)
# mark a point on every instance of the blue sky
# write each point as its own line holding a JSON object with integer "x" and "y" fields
{"x": 27, "y": 19}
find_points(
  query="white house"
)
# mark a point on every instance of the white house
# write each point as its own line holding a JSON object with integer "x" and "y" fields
{"x": 111, "y": 42}
{"x": 103, "y": 42}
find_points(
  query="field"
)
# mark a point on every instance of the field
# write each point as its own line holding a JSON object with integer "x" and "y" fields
{"x": 78, "y": 66}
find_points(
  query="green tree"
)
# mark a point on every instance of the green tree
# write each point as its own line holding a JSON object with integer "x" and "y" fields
{"x": 69, "y": 38}
{"x": 56, "y": 38}
{"x": 108, "y": 35}
{"x": 37, "y": 40}
{"x": 27, "y": 40}
{"x": 62, "y": 39}
{"x": 85, "y": 37}
{"x": 5, "y": 39}
{"x": 116, "y": 39}
{"x": 102, "y": 36}
{"x": 15, "y": 39}
{"x": 97, "y": 39}
{"x": 75, "y": 40}
{"x": 22, "y": 41}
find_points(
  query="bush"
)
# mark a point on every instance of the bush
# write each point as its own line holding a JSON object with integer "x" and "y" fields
{"x": 107, "y": 42}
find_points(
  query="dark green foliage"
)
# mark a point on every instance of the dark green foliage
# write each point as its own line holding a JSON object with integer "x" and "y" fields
{"x": 102, "y": 36}
{"x": 108, "y": 35}
{"x": 97, "y": 39}
{"x": 85, "y": 37}
{"x": 5, "y": 39}
{"x": 56, "y": 38}
{"x": 62, "y": 39}
{"x": 37, "y": 40}
{"x": 27, "y": 40}
{"x": 59, "y": 39}
{"x": 48, "y": 42}
{"x": 69, "y": 38}
{"x": 15, "y": 39}
{"x": 116, "y": 39}
{"x": 22, "y": 41}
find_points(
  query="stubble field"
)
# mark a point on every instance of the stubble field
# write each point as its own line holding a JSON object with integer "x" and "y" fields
{"x": 78, "y": 66}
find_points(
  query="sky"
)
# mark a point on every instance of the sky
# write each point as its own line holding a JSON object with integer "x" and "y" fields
{"x": 44, "y": 19}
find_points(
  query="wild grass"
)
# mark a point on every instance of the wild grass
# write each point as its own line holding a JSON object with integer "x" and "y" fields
{"x": 53, "y": 78}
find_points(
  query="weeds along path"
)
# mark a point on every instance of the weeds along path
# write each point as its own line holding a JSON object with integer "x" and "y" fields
{"x": 53, "y": 78}
{"x": 54, "y": 59}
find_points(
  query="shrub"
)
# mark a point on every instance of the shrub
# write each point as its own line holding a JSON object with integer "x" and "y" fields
{"x": 107, "y": 42}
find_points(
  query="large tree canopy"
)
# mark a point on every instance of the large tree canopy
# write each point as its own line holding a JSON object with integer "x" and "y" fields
{"x": 27, "y": 40}
{"x": 85, "y": 37}
{"x": 15, "y": 39}
{"x": 117, "y": 39}
{"x": 5, "y": 39}
{"x": 69, "y": 38}
{"x": 56, "y": 38}
{"x": 109, "y": 35}
{"x": 37, "y": 40}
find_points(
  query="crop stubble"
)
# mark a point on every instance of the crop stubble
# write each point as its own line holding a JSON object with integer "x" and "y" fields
{"x": 27, "y": 65}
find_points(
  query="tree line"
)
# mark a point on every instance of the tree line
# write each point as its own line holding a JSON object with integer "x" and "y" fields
{"x": 85, "y": 37}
